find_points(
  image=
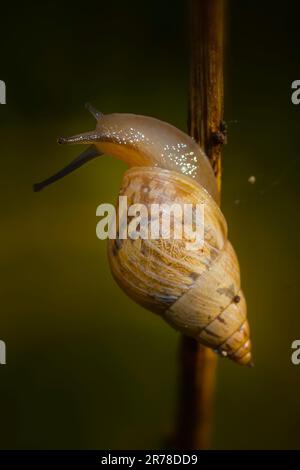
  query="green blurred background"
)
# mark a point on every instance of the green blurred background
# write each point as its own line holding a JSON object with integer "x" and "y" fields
{"x": 86, "y": 367}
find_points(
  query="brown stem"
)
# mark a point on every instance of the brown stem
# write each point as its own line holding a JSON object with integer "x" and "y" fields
{"x": 197, "y": 363}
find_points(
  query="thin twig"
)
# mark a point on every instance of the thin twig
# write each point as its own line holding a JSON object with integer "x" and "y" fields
{"x": 197, "y": 363}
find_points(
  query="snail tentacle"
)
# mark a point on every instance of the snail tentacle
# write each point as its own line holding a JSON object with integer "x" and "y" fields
{"x": 97, "y": 114}
{"x": 89, "y": 154}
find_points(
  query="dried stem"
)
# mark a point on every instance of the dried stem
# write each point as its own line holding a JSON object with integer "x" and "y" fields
{"x": 197, "y": 363}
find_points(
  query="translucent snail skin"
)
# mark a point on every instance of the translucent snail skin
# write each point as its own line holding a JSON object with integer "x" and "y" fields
{"x": 197, "y": 292}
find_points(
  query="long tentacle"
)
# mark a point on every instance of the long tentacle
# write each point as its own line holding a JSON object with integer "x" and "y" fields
{"x": 89, "y": 154}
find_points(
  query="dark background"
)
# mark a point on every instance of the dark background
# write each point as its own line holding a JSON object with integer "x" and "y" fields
{"x": 86, "y": 367}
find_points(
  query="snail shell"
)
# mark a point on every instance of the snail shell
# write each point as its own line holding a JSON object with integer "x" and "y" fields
{"x": 198, "y": 292}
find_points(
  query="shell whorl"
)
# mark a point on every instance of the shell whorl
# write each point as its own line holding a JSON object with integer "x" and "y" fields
{"x": 197, "y": 292}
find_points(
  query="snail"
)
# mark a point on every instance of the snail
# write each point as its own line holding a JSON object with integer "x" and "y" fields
{"x": 197, "y": 292}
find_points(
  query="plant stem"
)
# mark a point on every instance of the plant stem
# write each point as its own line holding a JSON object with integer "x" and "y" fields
{"x": 197, "y": 363}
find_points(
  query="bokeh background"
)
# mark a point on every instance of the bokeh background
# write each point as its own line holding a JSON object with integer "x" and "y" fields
{"x": 86, "y": 367}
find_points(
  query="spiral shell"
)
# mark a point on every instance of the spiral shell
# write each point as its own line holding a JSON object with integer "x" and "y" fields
{"x": 197, "y": 292}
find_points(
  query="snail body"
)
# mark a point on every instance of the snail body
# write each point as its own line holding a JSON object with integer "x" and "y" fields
{"x": 198, "y": 292}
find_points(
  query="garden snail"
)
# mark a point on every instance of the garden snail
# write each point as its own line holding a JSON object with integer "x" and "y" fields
{"x": 197, "y": 292}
